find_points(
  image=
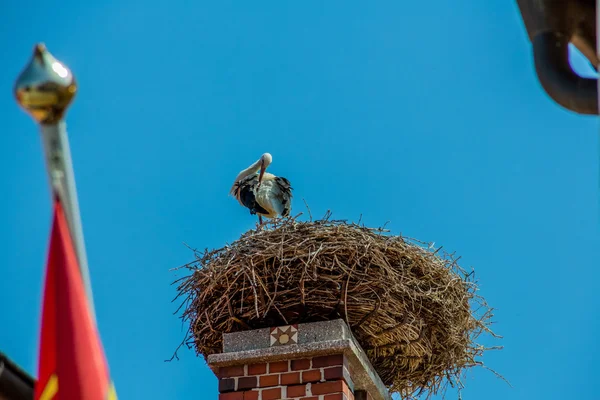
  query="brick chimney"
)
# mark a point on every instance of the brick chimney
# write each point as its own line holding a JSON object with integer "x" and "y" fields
{"x": 313, "y": 361}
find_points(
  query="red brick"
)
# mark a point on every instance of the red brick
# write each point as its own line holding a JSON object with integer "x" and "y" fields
{"x": 257, "y": 369}
{"x": 232, "y": 396}
{"x": 328, "y": 361}
{"x": 310, "y": 398}
{"x": 271, "y": 394}
{"x": 298, "y": 365}
{"x": 268, "y": 380}
{"x": 228, "y": 372}
{"x": 279, "y": 366}
{"x": 251, "y": 395}
{"x": 336, "y": 396}
{"x": 296, "y": 391}
{"x": 314, "y": 375}
{"x": 292, "y": 378}
{"x": 247, "y": 382}
{"x": 226, "y": 385}
{"x": 334, "y": 373}
{"x": 330, "y": 387}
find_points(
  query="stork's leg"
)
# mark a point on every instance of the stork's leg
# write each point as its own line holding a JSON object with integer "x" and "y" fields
{"x": 260, "y": 221}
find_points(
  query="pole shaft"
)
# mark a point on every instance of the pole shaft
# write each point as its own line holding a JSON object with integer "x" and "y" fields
{"x": 62, "y": 181}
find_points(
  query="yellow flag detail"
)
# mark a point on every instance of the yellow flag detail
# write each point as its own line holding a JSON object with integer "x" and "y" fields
{"x": 112, "y": 393}
{"x": 51, "y": 388}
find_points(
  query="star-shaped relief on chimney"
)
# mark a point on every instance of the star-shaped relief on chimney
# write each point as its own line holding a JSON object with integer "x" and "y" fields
{"x": 284, "y": 335}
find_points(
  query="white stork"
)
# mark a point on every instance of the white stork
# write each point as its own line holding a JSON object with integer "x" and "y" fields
{"x": 264, "y": 194}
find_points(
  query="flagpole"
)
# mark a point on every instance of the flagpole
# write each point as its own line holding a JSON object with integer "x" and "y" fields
{"x": 45, "y": 90}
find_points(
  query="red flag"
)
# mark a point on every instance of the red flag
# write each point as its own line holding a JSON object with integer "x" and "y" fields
{"x": 72, "y": 363}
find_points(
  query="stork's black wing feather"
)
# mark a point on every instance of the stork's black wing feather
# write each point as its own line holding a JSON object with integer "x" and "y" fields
{"x": 246, "y": 191}
{"x": 286, "y": 192}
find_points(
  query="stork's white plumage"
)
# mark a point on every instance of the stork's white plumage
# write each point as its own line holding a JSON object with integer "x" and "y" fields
{"x": 264, "y": 194}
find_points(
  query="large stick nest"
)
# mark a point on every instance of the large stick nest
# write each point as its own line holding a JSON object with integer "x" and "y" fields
{"x": 412, "y": 308}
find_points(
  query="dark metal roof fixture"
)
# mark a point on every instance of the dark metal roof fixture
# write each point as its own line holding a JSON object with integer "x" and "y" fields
{"x": 15, "y": 384}
{"x": 552, "y": 25}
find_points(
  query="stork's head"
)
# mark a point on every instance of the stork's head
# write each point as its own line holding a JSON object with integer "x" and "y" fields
{"x": 265, "y": 161}
{"x": 262, "y": 164}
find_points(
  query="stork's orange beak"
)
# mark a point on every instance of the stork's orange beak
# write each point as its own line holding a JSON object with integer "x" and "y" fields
{"x": 262, "y": 172}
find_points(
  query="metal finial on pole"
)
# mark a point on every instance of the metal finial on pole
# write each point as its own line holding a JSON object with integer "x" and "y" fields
{"x": 45, "y": 90}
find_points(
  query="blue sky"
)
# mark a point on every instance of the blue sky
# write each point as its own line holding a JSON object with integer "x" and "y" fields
{"x": 425, "y": 114}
